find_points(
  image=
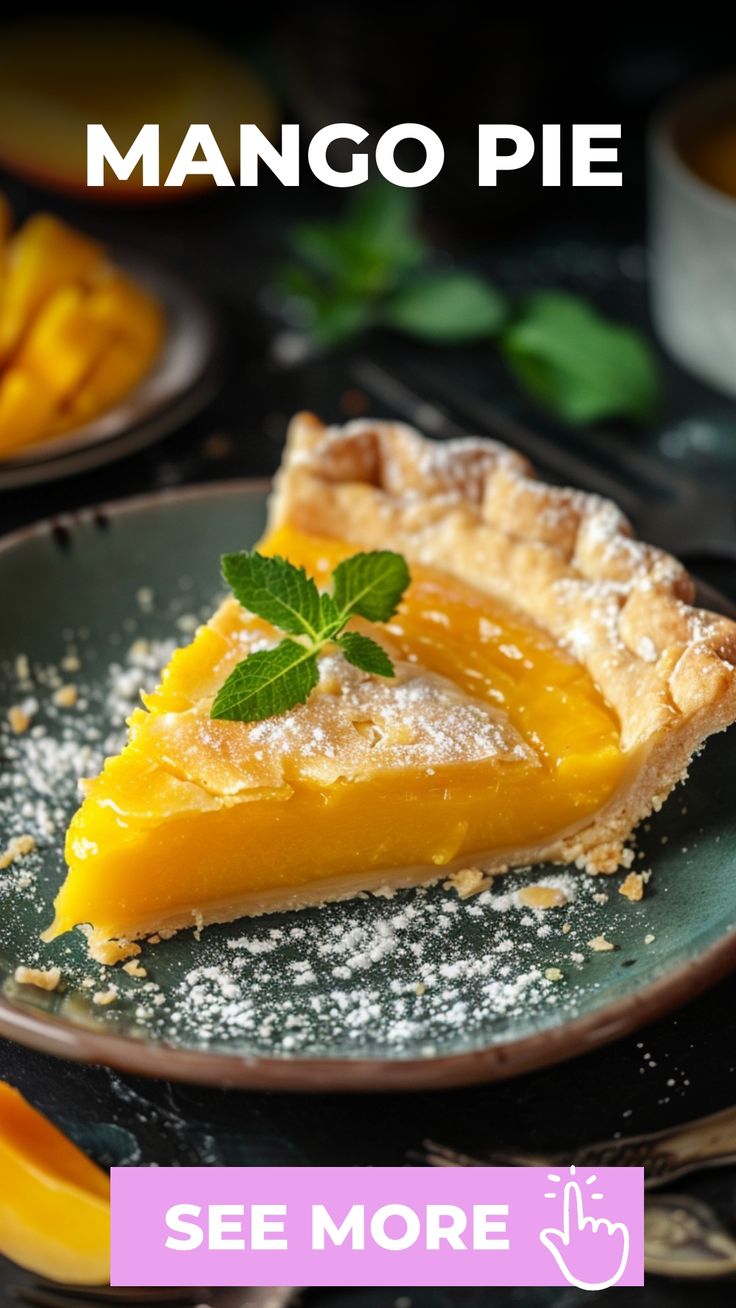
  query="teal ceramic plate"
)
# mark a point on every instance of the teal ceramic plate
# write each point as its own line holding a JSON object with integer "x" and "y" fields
{"x": 415, "y": 991}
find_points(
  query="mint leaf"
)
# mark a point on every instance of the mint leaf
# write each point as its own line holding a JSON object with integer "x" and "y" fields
{"x": 330, "y": 618}
{"x": 274, "y": 590}
{"x": 271, "y": 681}
{"x": 366, "y": 654}
{"x": 267, "y": 683}
{"x": 451, "y": 306}
{"x": 370, "y": 584}
{"x": 578, "y": 364}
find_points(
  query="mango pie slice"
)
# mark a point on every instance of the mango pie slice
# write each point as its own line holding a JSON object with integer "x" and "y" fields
{"x": 552, "y": 684}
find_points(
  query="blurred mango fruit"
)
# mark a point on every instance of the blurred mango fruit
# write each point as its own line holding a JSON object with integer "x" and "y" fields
{"x": 59, "y": 74}
{"x": 76, "y": 334}
{"x": 54, "y": 1201}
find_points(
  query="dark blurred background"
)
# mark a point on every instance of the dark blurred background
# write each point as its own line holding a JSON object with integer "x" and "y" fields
{"x": 450, "y": 67}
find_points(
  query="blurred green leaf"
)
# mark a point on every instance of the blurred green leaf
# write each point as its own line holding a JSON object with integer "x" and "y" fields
{"x": 578, "y": 364}
{"x": 336, "y": 321}
{"x": 319, "y": 246}
{"x": 451, "y": 306}
{"x": 382, "y": 219}
{"x": 362, "y": 257}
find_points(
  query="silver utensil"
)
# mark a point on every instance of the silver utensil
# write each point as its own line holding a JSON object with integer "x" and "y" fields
{"x": 44, "y": 1294}
{"x": 665, "y": 1155}
{"x": 683, "y": 1237}
{"x": 48, "y": 1295}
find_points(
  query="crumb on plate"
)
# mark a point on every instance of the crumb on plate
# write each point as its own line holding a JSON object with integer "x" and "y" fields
{"x": 467, "y": 881}
{"x": 600, "y": 945}
{"x": 18, "y": 847}
{"x": 44, "y": 978}
{"x": 133, "y": 968}
{"x": 109, "y": 952}
{"x": 104, "y": 997}
{"x": 19, "y": 719}
{"x": 633, "y": 887}
{"x": 66, "y": 696}
{"x": 542, "y": 897}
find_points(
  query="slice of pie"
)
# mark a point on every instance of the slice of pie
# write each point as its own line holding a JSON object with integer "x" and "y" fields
{"x": 552, "y": 684}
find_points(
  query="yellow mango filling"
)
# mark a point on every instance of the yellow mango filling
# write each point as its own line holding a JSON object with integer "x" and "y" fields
{"x": 491, "y": 739}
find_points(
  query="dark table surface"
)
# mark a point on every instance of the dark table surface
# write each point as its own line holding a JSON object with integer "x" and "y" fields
{"x": 678, "y": 1069}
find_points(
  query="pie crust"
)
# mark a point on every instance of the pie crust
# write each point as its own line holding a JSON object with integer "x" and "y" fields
{"x": 164, "y": 837}
{"x": 567, "y": 559}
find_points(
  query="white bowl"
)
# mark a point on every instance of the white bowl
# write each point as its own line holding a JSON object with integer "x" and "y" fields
{"x": 693, "y": 241}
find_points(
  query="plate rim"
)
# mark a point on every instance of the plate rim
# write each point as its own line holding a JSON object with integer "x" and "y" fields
{"x": 503, "y": 1060}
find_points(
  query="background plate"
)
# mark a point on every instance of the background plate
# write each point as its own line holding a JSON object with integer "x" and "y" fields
{"x": 180, "y": 385}
{"x": 419, "y": 990}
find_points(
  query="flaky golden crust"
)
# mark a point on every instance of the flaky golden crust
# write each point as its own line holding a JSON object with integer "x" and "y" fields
{"x": 567, "y": 559}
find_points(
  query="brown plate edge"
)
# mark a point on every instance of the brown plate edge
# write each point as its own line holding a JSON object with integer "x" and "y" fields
{"x": 497, "y": 1062}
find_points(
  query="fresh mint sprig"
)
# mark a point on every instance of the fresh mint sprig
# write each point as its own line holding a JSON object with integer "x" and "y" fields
{"x": 372, "y": 269}
{"x": 270, "y": 681}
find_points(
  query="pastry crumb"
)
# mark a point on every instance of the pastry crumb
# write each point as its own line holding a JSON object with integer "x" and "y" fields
{"x": 134, "y": 968}
{"x": 66, "y": 696}
{"x": 109, "y": 952}
{"x": 18, "y": 847}
{"x": 420, "y": 988}
{"x": 104, "y": 997}
{"x": 633, "y": 887}
{"x": 541, "y": 897}
{"x": 44, "y": 978}
{"x": 650, "y": 939}
{"x": 467, "y": 881}
{"x": 553, "y": 974}
{"x": 22, "y": 668}
{"x": 600, "y": 945}
{"x": 19, "y": 719}
{"x": 566, "y": 928}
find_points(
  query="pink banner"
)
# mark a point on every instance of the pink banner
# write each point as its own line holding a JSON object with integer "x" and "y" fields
{"x": 377, "y": 1226}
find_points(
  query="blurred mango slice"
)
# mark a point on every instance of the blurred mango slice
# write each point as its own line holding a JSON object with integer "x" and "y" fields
{"x": 58, "y": 74}
{"x": 64, "y": 343}
{"x": 27, "y": 411}
{"x": 76, "y": 334}
{"x": 114, "y": 376}
{"x": 54, "y": 1202}
{"x": 43, "y": 256}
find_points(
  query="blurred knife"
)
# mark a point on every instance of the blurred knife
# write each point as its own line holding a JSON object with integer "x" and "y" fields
{"x": 668, "y": 507}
